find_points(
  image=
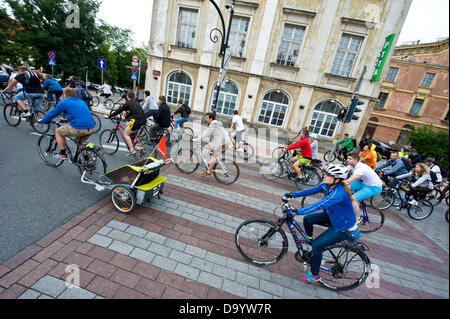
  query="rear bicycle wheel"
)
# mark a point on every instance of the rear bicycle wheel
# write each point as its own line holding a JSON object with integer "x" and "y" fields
{"x": 92, "y": 162}
{"x": 383, "y": 200}
{"x": 109, "y": 104}
{"x": 343, "y": 267}
{"x": 226, "y": 171}
{"x": 45, "y": 104}
{"x": 98, "y": 122}
{"x": 248, "y": 151}
{"x": 421, "y": 211}
{"x": 123, "y": 199}
{"x": 186, "y": 160}
{"x": 188, "y": 133}
{"x": 271, "y": 169}
{"x": 109, "y": 142}
{"x": 310, "y": 177}
{"x": 11, "y": 113}
{"x": 329, "y": 156}
{"x": 46, "y": 146}
{"x": 371, "y": 220}
{"x": 95, "y": 101}
{"x": 260, "y": 242}
{"x": 40, "y": 128}
{"x": 433, "y": 196}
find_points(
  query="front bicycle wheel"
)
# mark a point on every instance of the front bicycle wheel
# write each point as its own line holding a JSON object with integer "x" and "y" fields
{"x": 109, "y": 142}
{"x": 45, "y": 104}
{"x": 123, "y": 199}
{"x": 329, "y": 156}
{"x": 371, "y": 219}
{"x": 98, "y": 122}
{"x": 344, "y": 267}
{"x": 260, "y": 241}
{"x": 421, "y": 211}
{"x": 109, "y": 104}
{"x": 247, "y": 152}
{"x": 46, "y": 147}
{"x": 271, "y": 169}
{"x": 434, "y": 196}
{"x": 40, "y": 128}
{"x": 310, "y": 177}
{"x": 383, "y": 200}
{"x": 93, "y": 162}
{"x": 186, "y": 160}
{"x": 226, "y": 171}
{"x": 95, "y": 101}
{"x": 11, "y": 113}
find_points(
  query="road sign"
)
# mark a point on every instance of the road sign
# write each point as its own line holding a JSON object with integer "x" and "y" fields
{"x": 51, "y": 55}
{"x": 135, "y": 63}
{"x": 134, "y": 70}
{"x": 383, "y": 56}
{"x": 101, "y": 63}
{"x": 135, "y": 58}
{"x": 51, "y": 62}
{"x": 134, "y": 76}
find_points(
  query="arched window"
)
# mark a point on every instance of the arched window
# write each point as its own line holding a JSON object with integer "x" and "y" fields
{"x": 324, "y": 118}
{"x": 179, "y": 86}
{"x": 273, "y": 109}
{"x": 403, "y": 136}
{"x": 228, "y": 96}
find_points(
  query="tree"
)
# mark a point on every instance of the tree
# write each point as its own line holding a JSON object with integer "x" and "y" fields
{"x": 430, "y": 143}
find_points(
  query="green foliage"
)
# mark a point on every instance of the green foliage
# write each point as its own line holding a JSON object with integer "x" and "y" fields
{"x": 430, "y": 143}
{"x": 35, "y": 27}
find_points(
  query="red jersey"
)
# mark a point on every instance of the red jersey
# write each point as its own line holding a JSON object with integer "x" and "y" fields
{"x": 305, "y": 147}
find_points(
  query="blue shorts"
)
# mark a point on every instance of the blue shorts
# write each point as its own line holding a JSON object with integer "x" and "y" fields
{"x": 361, "y": 191}
{"x": 23, "y": 96}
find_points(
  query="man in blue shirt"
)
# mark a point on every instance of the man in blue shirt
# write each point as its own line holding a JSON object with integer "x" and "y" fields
{"x": 52, "y": 87}
{"x": 397, "y": 168}
{"x": 78, "y": 116}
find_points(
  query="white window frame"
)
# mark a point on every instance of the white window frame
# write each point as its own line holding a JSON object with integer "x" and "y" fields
{"x": 191, "y": 26}
{"x": 290, "y": 42}
{"x": 232, "y": 48}
{"x": 342, "y": 69}
{"x": 181, "y": 89}
{"x": 327, "y": 117}
{"x": 273, "y": 106}
{"x": 226, "y": 96}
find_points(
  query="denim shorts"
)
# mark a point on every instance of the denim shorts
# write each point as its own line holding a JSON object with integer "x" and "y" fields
{"x": 24, "y": 96}
{"x": 362, "y": 191}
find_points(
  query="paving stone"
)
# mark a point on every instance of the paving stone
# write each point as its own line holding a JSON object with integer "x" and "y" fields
{"x": 139, "y": 242}
{"x": 142, "y": 255}
{"x": 76, "y": 293}
{"x": 164, "y": 263}
{"x": 120, "y": 247}
{"x": 117, "y": 225}
{"x": 187, "y": 271}
{"x": 180, "y": 257}
{"x": 30, "y": 294}
{"x": 100, "y": 240}
{"x": 50, "y": 286}
{"x": 210, "y": 279}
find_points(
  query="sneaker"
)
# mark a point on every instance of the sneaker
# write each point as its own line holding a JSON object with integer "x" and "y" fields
{"x": 399, "y": 207}
{"x": 240, "y": 149}
{"x": 204, "y": 174}
{"x": 132, "y": 153}
{"x": 413, "y": 202}
{"x": 60, "y": 156}
{"x": 303, "y": 240}
{"x": 299, "y": 178}
{"x": 359, "y": 220}
{"x": 309, "y": 278}
{"x": 25, "y": 114}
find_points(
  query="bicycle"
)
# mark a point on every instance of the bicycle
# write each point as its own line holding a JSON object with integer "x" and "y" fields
{"x": 12, "y": 115}
{"x": 87, "y": 157}
{"x": 46, "y": 104}
{"x": 109, "y": 140}
{"x": 272, "y": 169}
{"x": 263, "y": 242}
{"x": 330, "y": 156}
{"x": 185, "y": 131}
{"x": 247, "y": 150}
{"x": 372, "y": 218}
{"x": 107, "y": 102}
{"x": 188, "y": 161}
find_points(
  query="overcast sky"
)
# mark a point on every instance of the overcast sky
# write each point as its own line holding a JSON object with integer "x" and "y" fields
{"x": 427, "y": 20}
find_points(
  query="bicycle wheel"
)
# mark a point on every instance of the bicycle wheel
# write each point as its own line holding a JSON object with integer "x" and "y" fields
{"x": 45, "y": 104}
{"x": 248, "y": 151}
{"x": 307, "y": 200}
{"x": 433, "y": 196}
{"x": 46, "y": 146}
{"x": 109, "y": 104}
{"x": 226, "y": 171}
{"x": 270, "y": 169}
{"x": 12, "y": 114}
{"x": 343, "y": 267}
{"x": 40, "y": 128}
{"x": 123, "y": 199}
{"x": 372, "y": 219}
{"x": 109, "y": 142}
{"x": 383, "y": 200}
{"x": 188, "y": 133}
{"x": 91, "y": 161}
{"x": 95, "y": 101}
{"x": 329, "y": 156}
{"x": 310, "y": 177}
{"x": 186, "y": 160}
{"x": 421, "y": 211}
{"x": 98, "y": 122}
{"x": 260, "y": 241}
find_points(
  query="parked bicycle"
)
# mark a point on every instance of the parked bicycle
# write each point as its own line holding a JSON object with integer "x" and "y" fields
{"x": 12, "y": 115}
{"x": 189, "y": 158}
{"x": 273, "y": 168}
{"x": 264, "y": 242}
{"x": 87, "y": 157}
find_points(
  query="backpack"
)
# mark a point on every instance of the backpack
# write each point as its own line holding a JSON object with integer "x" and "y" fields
{"x": 433, "y": 177}
{"x": 31, "y": 79}
{"x": 444, "y": 172}
{"x": 85, "y": 96}
{"x": 407, "y": 163}
{"x": 188, "y": 109}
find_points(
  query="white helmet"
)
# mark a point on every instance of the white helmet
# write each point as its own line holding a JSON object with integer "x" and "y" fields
{"x": 336, "y": 170}
{"x": 313, "y": 135}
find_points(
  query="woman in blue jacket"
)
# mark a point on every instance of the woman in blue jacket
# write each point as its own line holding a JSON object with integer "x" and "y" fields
{"x": 337, "y": 213}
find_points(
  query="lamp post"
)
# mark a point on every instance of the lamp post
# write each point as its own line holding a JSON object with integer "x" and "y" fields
{"x": 224, "y": 34}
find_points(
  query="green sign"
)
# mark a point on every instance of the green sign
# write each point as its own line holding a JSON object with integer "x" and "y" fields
{"x": 382, "y": 58}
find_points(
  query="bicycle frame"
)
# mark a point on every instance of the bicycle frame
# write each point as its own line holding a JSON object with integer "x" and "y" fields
{"x": 136, "y": 139}
{"x": 205, "y": 161}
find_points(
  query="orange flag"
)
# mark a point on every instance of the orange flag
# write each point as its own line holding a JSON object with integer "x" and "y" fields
{"x": 161, "y": 147}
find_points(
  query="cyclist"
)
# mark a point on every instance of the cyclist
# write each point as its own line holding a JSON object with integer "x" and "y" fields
{"x": 216, "y": 137}
{"x": 162, "y": 118}
{"x": 238, "y": 124}
{"x": 337, "y": 214}
{"x": 347, "y": 145}
{"x": 431, "y": 163}
{"x": 421, "y": 183}
{"x": 305, "y": 155}
{"x": 78, "y": 116}
{"x": 364, "y": 182}
{"x": 184, "y": 112}
{"x": 32, "y": 89}
{"x": 366, "y": 156}
{"x": 298, "y": 134}
{"x": 150, "y": 107}
{"x": 106, "y": 90}
{"x": 138, "y": 119}
{"x": 397, "y": 168}
{"x": 52, "y": 87}
{"x": 314, "y": 145}
{"x": 122, "y": 97}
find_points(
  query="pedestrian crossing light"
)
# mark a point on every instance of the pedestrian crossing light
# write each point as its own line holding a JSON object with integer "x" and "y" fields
{"x": 353, "y": 109}
{"x": 341, "y": 114}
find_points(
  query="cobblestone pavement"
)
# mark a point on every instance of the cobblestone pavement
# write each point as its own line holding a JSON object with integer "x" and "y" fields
{"x": 182, "y": 246}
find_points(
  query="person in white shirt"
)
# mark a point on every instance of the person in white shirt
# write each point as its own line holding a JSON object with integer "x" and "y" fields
{"x": 431, "y": 163}
{"x": 150, "y": 106}
{"x": 314, "y": 145}
{"x": 421, "y": 183}
{"x": 364, "y": 182}
{"x": 238, "y": 125}
{"x": 106, "y": 90}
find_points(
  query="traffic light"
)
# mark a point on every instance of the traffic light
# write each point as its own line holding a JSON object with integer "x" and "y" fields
{"x": 341, "y": 114}
{"x": 353, "y": 109}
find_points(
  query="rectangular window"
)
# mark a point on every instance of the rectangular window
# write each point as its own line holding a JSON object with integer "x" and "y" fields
{"x": 417, "y": 105}
{"x": 290, "y": 45}
{"x": 391, "y": 74}
{"x": 382, "y": 97}
{"x": 187, "y": 22}
{"x": 427, "y": 79}
{"x": 238, "y": 36}
{"x": 346, "y": 55}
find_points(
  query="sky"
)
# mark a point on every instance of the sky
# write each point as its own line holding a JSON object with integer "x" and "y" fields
{"x": 427, "y": 20}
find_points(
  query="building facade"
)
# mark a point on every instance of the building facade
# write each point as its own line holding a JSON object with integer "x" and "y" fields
{"x": 293, "y": 62}
{"x": 414, "y": 92}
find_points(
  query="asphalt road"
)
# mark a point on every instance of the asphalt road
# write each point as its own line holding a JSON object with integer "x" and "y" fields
{"x": 35, "y": 198}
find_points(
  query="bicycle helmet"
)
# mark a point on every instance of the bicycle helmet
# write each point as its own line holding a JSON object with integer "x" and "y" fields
{"x": 336, "y": 170}
{"x": 313, "y": 135}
